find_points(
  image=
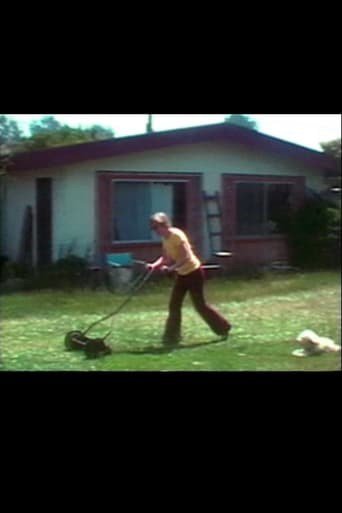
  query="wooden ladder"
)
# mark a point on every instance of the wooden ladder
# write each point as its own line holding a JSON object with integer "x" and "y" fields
{"x": 213, "y": 213}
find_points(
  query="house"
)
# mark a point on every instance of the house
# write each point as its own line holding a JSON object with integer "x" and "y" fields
{"x": 93, "y": 198}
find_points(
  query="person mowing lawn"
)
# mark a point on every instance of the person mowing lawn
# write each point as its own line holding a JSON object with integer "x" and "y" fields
{"x": 179, "y": 256}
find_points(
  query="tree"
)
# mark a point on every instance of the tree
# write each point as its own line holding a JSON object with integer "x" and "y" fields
{"x": 10, "y": 133}
{"x": 333, "y": 149}
{"x": 98, "y": 132}
{"x": 46, "y": 124}
{"x": 48, "y": 132}
{"x": 10, "y": 136}
{"x": 314, "y": 234}
{"x": 242, "y": 120}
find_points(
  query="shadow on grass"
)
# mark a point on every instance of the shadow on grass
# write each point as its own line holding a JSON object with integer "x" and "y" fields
{"x": 163, "y": 349}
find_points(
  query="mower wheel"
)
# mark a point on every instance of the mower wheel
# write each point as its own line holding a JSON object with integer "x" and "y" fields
{"x": 74, "y": 340}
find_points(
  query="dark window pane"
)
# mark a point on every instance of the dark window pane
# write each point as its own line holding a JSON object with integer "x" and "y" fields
{"x": 278, "y": 205}
{"x": 179, "y": 205}
{"x": 132, "y": 202}
{"x": 250, "y": 208}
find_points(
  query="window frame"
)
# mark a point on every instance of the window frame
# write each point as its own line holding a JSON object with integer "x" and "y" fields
{"x": 229, "y": 199}
{"x": 104, "y": 200}
{"x": 139, "y": 180}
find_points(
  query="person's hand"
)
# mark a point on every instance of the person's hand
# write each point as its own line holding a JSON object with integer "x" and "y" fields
{"x": 164, "y": 269}
{"x": 149, "y": 267}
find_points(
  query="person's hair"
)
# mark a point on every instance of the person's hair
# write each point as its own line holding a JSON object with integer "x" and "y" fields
{"x": 160, "y": 218}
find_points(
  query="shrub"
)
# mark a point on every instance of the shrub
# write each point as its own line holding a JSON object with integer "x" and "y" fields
{"x": 68, "y": 272}
{"x": 12, "y": 270}
{"x": 314, "y": 235}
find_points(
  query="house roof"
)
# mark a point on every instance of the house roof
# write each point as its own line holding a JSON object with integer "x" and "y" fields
{"x": 64, "y": 155}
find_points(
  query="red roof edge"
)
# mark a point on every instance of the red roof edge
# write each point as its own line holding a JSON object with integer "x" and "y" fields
{"x": 64, "y": 155}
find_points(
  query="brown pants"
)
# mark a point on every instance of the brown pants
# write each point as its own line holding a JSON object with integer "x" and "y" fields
{"x": 192, "y": 283}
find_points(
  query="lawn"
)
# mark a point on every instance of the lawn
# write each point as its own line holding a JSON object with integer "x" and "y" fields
{"x": 267, "y": 314}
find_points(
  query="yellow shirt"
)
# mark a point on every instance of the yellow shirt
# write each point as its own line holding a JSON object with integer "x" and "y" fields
{"x": 172, "y": 246}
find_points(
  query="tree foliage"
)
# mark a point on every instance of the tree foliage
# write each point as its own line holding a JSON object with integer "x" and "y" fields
{"x": 242, "y": 120}
{"x": 332, "y": 148}
{"x": 314, "y": 234}
{"x": 10, "y": 132}
{"x": 48, "y": 132}
{"x": 10, "y": 136}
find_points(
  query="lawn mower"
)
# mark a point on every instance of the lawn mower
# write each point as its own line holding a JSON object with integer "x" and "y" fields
{"x": 77, "y": 340}
{"x": 93, "y": 347}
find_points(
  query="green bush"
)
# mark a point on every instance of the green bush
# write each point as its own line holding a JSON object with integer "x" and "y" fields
{"x": 314, "y": 235}
{"x": 12, "y": 270}
{"x": 68, "y": 272}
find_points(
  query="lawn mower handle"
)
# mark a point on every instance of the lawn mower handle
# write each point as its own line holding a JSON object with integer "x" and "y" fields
{"x": 136, "y": 286}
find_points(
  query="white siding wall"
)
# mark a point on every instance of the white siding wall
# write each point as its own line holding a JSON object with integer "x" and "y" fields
{"x": 18, "y": 193}
{"x": 211, "y": 159}
{"x": 74, "y": 194}
{"x": 74, "y": 212}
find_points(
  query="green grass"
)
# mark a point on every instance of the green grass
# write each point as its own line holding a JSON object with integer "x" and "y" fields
{"x": 267, "y": 314}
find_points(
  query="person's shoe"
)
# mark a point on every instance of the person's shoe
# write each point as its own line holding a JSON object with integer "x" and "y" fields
{"x": 225, "y": 333}
{"x": 171, "y": 341}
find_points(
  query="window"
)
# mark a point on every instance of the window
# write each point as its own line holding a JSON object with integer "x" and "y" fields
{"x": 261, "y": 207}
{"x": 135, "y": 201}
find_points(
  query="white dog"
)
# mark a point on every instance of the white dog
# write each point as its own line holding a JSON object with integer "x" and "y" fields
{"x": 313, "y": 344}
